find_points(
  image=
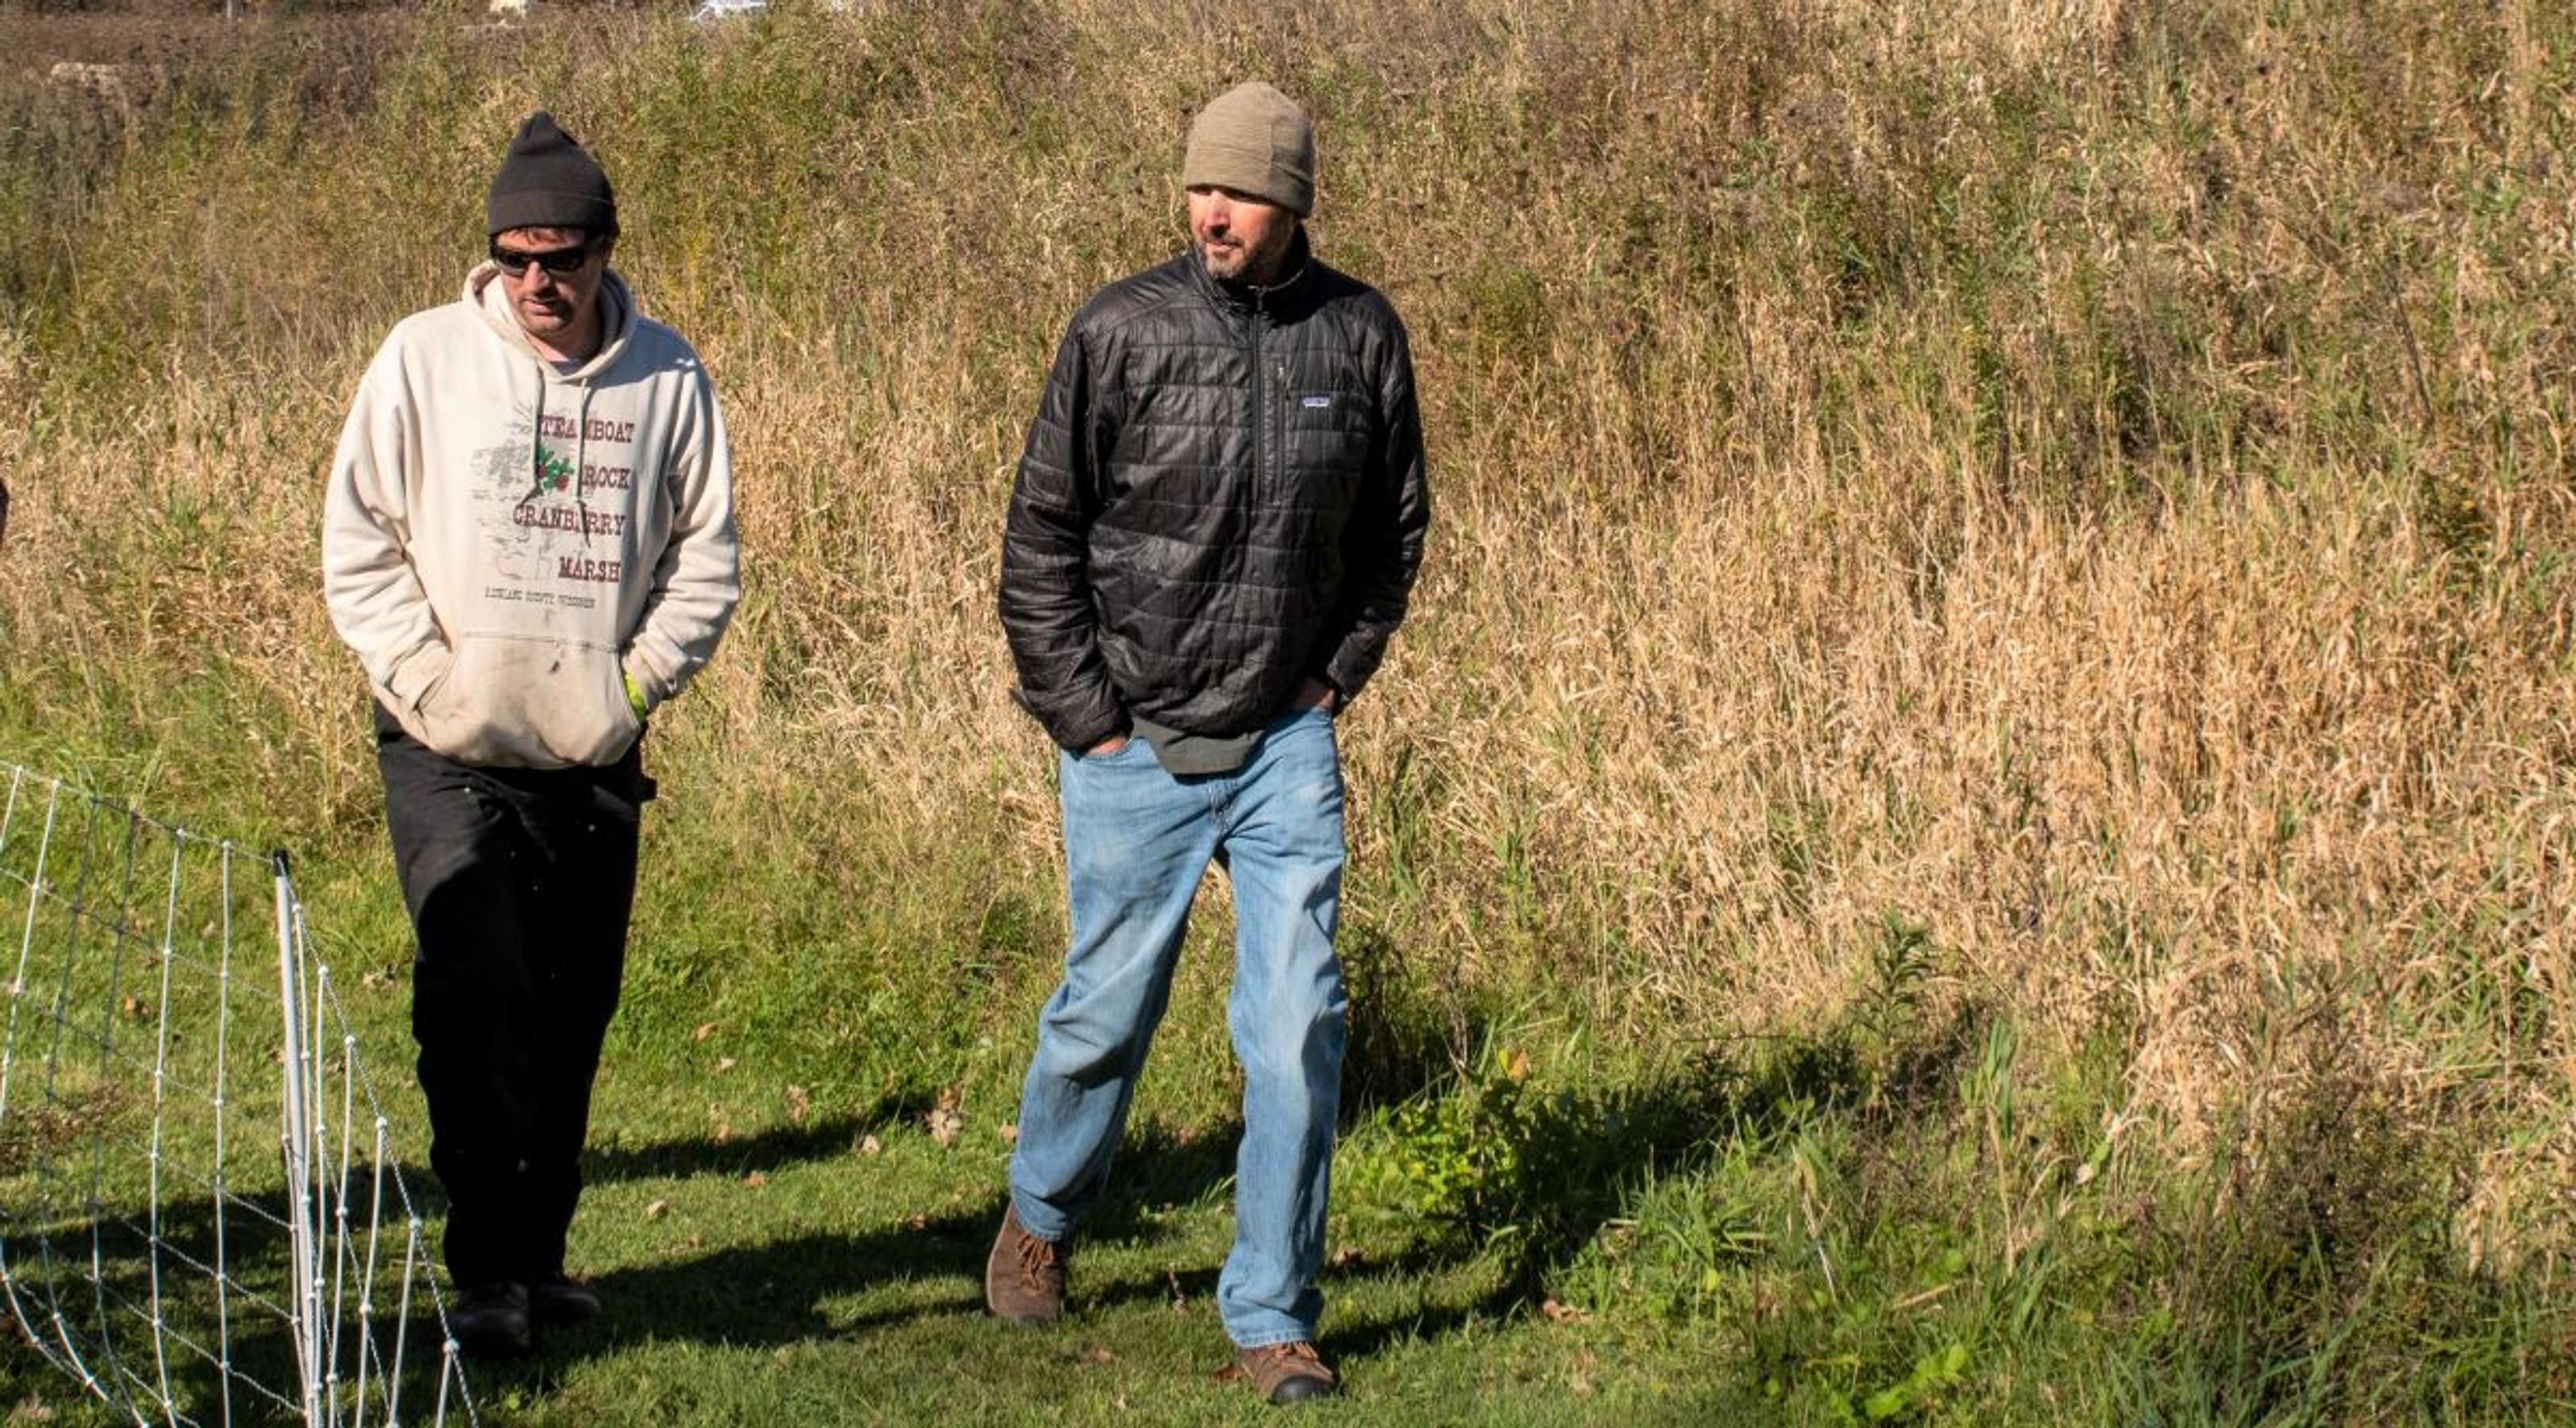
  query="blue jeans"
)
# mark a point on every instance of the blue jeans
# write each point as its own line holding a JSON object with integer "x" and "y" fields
{"x": 1137, "y": 841}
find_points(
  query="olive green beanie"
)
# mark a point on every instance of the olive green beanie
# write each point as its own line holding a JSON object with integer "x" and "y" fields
{"x": 1254, "y": 140}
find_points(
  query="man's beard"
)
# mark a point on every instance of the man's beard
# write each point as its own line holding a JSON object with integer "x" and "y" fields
{"x": 1237, "y": 265}
{"x": 1225, "y": 266}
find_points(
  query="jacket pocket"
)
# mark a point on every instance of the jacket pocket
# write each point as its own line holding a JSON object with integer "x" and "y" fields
{"x": 1327, "y": 453}
{"x": 514, "y": 702}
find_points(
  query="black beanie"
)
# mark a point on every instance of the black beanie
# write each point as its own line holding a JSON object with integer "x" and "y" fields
{"x": 550, "y": 181}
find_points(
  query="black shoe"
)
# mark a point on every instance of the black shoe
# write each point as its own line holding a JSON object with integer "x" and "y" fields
{"x": 490, "y": 1321}
{"x": 560, "y": 1303}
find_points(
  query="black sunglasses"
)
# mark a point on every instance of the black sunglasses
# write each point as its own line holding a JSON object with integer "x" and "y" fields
{"x": 557, "y": 261}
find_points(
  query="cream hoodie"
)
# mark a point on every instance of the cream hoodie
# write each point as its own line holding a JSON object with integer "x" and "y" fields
{"x": 500, "y": 538}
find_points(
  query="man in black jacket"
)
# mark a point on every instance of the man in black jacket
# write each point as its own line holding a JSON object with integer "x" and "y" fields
{"x": 1213, "y": 535}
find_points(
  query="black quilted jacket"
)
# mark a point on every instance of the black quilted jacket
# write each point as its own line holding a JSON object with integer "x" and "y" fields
{"x": 1222, "y": 494}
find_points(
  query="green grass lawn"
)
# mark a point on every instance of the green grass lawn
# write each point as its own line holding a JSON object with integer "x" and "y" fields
{"x": 788, "y": 1277}
{"x": 769, "y": 1252}
{"x": 1842, "y": 1228}
{"x": 820, "y": 1266}
{"x": 799, "y": 1143}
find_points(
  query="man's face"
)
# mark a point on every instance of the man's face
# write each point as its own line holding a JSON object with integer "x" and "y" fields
{"x": 1240, "y": 238}
{"x": 552, "y": 305}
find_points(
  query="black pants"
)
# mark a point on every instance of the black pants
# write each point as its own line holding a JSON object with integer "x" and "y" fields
{"x": 519, "y": 883}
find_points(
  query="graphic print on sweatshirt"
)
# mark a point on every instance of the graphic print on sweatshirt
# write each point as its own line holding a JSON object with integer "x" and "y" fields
{"x": 555, "y": 506}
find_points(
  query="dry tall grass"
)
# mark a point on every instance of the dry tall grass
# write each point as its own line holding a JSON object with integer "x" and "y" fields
{"x": 2091, "y": 479}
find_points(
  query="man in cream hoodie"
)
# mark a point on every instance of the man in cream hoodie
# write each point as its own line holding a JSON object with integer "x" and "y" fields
{"x": 528, "y": 540}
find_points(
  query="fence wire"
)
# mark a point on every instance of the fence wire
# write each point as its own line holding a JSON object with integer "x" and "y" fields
{"x": 203, "y": 1215}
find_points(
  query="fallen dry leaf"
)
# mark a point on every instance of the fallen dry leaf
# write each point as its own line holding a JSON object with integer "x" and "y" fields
{"x": 1095, "y": 1354}
{"x": 798, "y": 1103}
{"x": 1010, "y": 1135}
{"x": 870, "y": 1145}
{"x": 944, "y": 1125}
{"x": 1561, "y": 1313}
{"x": 756, "y": 1179}
{"x": 657, "y": 1209}
{"x": 705, "y": 1030}
{"x": 723, "y": 1064}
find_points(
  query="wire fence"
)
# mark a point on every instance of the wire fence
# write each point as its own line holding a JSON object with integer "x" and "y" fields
{"x": 203, "y": 1215}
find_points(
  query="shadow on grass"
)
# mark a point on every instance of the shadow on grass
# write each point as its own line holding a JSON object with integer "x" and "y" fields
{"x": 1160, "y": 1166}
{"x": 770, "y": 1150}
{"x": 1536, "y": 1174}
{"x": 774, "y": 1294}
{"x": 1527, "y": 1177}
{"x": 1405, "y": 1038}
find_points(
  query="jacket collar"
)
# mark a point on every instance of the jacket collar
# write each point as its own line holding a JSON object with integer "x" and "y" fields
{"x": 1278, "y": 299}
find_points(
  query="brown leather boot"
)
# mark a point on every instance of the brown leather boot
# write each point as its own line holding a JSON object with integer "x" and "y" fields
{"x": 1024, "y": 1276}
{"x": 1287, "y": 1373}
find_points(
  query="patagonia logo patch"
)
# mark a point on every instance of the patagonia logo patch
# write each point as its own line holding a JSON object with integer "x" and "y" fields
{"x": 1315, "y": 403}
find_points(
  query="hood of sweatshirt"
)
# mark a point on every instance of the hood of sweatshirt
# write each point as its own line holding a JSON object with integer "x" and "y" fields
{"x": 491, "y": 297}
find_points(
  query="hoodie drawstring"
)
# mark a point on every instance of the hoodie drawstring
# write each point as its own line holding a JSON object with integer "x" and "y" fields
{"x": 617, "y": 319}
{"x": 539, "y": 477}
{"x": 581, "y": 462}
